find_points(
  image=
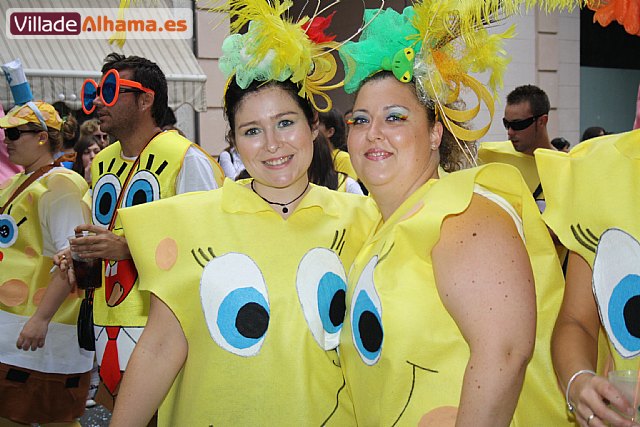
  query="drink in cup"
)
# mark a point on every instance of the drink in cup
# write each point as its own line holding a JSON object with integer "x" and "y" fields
{"x": 626, "y": 382}
{"x": 88, "y": 271}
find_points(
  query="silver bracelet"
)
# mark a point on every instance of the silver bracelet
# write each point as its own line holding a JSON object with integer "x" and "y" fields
{"x": 573, "y": 377}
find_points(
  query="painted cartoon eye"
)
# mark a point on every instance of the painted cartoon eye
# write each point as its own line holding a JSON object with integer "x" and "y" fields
{"x": 143, "y": 188}
{"x": 322, "y": 285}
{"x": 8, "y": 231}
{"x": 105, "y": 197}
{"x": 616, "y": 284}
{"x": 235, "y": 303}
{"x": 366, "y": 316}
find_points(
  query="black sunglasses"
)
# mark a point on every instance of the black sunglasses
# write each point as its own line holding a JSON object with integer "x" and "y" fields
{"x": 13, "y": 134}
{"x": 520, "y": 124}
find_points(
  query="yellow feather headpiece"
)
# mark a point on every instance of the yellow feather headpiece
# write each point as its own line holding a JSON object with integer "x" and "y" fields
{"x": 277, "y": 48}
{"x": 437, "y": 45}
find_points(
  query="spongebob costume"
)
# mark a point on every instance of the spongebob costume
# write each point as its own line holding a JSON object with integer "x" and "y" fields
{"x": 24, "y": 276}
{"x": 260, "y": 300}
{"x": 395, "y": 374}
{"x": 120, "y": 310}
{"x": 592, "y": 192}
{"x": 503, "y": 152}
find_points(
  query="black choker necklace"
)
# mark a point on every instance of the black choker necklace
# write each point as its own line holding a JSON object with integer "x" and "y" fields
{"x": 285, "y": 209}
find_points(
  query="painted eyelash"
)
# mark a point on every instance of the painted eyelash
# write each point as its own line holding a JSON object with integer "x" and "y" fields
{"x": 400, "y": 116}
{"x": 350, "y": 121}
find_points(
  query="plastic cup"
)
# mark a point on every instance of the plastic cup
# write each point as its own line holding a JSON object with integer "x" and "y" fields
{"x": 88, "y": 271}
{"x": 626, "y": 382}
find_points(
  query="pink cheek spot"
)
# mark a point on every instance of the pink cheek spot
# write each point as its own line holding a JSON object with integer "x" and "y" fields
{"x": 1, "y": 256}
{"x": 37, "y": 296}
{"x": 5, "y": 184}
{"x": 30, "y": 252}
{"x": 444, "y": 416}
{"x": 30, "y": 198}
{"x": 13, "y": 292}
{"x": 166, "y": 254}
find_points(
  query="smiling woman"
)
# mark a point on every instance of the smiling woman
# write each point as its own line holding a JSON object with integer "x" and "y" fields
{"x": 441, "y": 303}
{"x": 255, "y": 322}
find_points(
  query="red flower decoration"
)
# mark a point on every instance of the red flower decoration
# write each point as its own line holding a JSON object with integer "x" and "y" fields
{"x": 315, "y": 29}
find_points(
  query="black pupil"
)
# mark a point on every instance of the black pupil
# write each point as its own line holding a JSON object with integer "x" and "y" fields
{"x": 106, "y": 202}
{"x": 252, "y": 320}
{"x": 139, "y": 197}
{"x": 338, "y": 308}
{"x": 370, "y": 331}
{"x": 4, "y": 230}
{"x": 631, "y": 315}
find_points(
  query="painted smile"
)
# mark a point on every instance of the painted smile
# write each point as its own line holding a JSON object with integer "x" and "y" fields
{"x": 119, "y": 279}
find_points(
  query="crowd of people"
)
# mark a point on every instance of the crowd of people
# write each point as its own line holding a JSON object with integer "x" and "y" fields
{"x": 267, "y": 289}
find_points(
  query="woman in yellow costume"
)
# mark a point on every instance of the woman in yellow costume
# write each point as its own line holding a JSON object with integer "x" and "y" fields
{"x": 593, "y": 208}
{"x": 247, "y": 296}
{"x": 441, "y": 303}
{"x": 40, "y": 381}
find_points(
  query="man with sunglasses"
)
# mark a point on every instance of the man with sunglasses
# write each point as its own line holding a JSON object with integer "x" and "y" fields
{"x": 525, "y": 120}
{"x": 144, "y": 164}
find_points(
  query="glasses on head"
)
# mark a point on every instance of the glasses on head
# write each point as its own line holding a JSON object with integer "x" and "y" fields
{"x": 520, "y": 124}
{"x": 108, "y": 90}
{"x": 13, "y": 134}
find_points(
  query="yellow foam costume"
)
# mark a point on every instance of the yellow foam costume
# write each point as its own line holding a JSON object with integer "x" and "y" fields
{"x": 402, "y": 353}
{"x": 590, "y": 190}
{"x": 342, "y": 163}
{"x": 503, "y": 152}
{"x": 120, "y": 310}
{"x": 258, "y": 298}
{"x": 24, "y": 276}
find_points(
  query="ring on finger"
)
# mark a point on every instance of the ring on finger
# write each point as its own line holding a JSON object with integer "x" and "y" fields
{"x": 591, "y": 417}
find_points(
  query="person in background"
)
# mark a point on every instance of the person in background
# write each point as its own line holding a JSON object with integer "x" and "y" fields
{"x": 86, "y": 149}
{"x": 67, "y": 156}
{"x": 322, "y": 170}
{"x": 7, "y": 168}
{"x": 144, "y": 164}
{"x": 92, "y": 128}
{"x": 260, "y": 265}
{"x": 44, "y": 374}
{"x": 231, "y": 163}
{"x": 525, "y": 119}
{"x": 593, "y": 132}
{"x": 561, "y": 144}
{"x": 592, "y": 206}
{"x": 332, "y": 126}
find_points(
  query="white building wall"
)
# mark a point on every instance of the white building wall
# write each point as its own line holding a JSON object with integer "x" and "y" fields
{"x": 545, "y": 52}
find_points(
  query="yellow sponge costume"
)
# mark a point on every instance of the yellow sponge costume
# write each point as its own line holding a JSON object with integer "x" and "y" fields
{"x": 403, "y": 355}
{"x": 503, "y": 152}
{"x": 258, "y": 298}
{"x": 120, "y": 310}
{"x": 592, "y": 192}
{"x": 24, "y": 276}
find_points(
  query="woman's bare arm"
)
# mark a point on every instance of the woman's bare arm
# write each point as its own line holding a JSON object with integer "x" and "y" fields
{"x": 485, "y": 281}
{"x": 155, "y": 363}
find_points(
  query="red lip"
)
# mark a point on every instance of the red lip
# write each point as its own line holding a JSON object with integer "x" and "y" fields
{"x": 377, "y": 154}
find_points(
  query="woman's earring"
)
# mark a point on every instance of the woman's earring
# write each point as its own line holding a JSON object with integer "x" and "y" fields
{"x": 434, "y": 147}
{"x": 42, "y": 142}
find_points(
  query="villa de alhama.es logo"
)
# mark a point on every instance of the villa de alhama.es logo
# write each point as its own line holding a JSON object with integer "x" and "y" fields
{"x": 96, "y": 23}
